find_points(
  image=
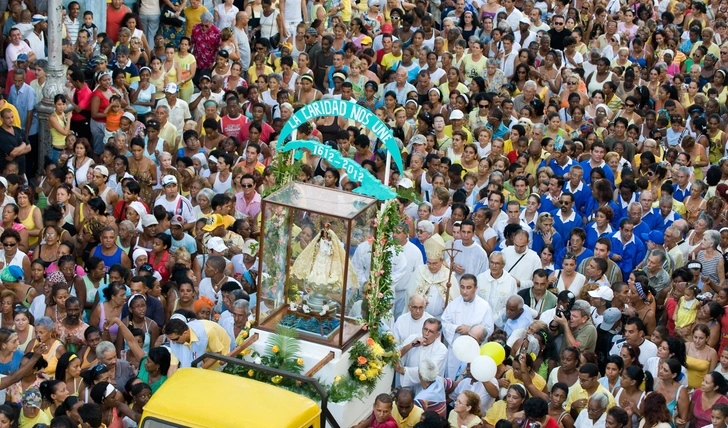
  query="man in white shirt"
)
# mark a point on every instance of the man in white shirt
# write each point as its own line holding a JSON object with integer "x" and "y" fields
{"x": 36, "y": 38}
{"x": 509, "y": 55}
{"x": 524, "y": 36}
{"x": 514, "y": 15}
{"x": 179, "y": 110}
{"x": 634, "y": 335}
{"x": 496, "y": 285}
{"x": 536, "y": 23}
{"x": 469, "y": 256}
{"x": 17, "y": 46}
{"x": 521, "y": 261}
{"x": 513, "y": 211}
{"x": 173, "y": 202}
{"x": 425, "y": 345}
{"x": 410, "y": 323}
{"x": 467, "y": 310}
{"x": 595, "y": 414}
{"x": 73, "y": 24}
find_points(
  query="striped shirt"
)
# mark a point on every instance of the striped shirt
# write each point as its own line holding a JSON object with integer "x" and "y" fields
{"x": 73, "y": 28}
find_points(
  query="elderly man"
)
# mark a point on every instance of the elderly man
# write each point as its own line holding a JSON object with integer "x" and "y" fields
{"x": 656, "y": 274}
{"x": 400, "y": 86}
{"x": 411, "y": 322}
{"x": 600, "y": 299}
{"x": 467, "y": 310}
{"x": 521, "y": 261}
{"x": 672, "y": 237}
{"x": 424, "y": 346}
{"x": 596, "y": 412}
{"x": 496, "y": 285}
{"x": 528, "y": 95}
{"x": 470, "y": 258}
{"x": 413, "y": 257}
{"x": 627, "y": 249}
{"x": 235, "y": 324}
{"x": 431, "y": 280}
{"x": 123, "y": 371}
{"x": 517, "y": 315}
{"x": 432, "y": 396}
{"x": 424, "y": 230}
{"x": 578, "y": 330}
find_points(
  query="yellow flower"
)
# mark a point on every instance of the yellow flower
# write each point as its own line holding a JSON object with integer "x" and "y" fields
{"x": 363, "y": 377}
{"x": 250, "y": 373}
{"x": 275, "y": 349}
{"x": 277, "y": 379}
{"x": 358, "y": 372}
{"x": 299, "y": 361}
{"x": 371, "y": 373}
{"x": 337, "y": 379}
{"x": 246, "y": 351}
{"x": 244, "y": 334}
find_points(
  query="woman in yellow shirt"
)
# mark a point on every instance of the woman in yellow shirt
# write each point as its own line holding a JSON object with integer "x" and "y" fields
{"x": 188, "y": 66}
{"x": 511, "y": 408}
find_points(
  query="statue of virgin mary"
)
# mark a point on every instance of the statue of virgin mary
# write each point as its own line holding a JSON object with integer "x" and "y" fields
{"x": 321, "y": 265}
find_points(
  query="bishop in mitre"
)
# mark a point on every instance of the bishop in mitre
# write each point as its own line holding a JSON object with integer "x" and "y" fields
{"x": 431, "y": 280}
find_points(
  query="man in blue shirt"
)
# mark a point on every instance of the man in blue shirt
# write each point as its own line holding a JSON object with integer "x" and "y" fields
{"x": 683, "y": 185}
{"x": 576, "y": 187}
{"x": 550, "y": 201}
{"x": 627, "y": 249}
{"x": 566, "y": 218}
{"x": 22, "y": 96}
{"x": 495, "y": 123}
{"x": 665, "y": 214}
{"x": 597, "y": 160}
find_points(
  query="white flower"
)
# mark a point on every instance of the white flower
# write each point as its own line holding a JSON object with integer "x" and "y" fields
{"x": 293, "y": 306}
{"x": 257, "y": 360}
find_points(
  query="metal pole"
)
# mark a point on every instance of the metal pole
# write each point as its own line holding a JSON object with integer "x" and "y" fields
{"x": 56, "y": 79}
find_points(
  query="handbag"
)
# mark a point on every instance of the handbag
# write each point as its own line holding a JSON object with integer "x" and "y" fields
{"x": 168, "y": 17}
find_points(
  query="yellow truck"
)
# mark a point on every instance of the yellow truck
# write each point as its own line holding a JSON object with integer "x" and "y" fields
{"x": 198, "y": 398}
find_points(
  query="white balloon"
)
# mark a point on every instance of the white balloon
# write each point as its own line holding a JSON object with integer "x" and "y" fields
{"x": 483, "y": 368}
{"x": 465, "y": 348}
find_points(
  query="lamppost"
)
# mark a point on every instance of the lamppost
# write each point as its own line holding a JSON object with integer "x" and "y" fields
{"x": 55, "y": 81}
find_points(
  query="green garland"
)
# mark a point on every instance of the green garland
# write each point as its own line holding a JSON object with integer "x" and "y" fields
{"x": 378, "y": 292}
{"x": 284, "y": 171}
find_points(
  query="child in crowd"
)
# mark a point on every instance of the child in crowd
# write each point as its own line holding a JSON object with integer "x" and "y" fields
{"x": 88, "y": 24}
{"x": 687, "y": 309}
{"x": 719, "y": 416}
{"x": 722, "y": 366}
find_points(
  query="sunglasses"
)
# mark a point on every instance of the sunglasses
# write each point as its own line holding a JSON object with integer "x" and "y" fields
{"x": 483, "y": 105}
{"x": 246, "y": 186}
{"x": 558, "y": 23}
{"x": 6, "y": 245}
{"x": 570, "y": 256}
{"x": 571, "y": 83}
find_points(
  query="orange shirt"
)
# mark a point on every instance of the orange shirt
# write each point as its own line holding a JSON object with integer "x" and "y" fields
{"x": 113, "y": 121}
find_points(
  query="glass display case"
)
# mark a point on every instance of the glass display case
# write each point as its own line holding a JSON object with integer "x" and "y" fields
{"x": 314, "y": 257}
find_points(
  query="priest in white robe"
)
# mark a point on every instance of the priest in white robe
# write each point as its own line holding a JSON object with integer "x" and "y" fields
{"x": 496, "y": 285}
{"x": 521, "y": 261}
{"x": 413, "y": 259}
{"x": 431, "y": 280}
{"x": 410, "y": 323}
{"x": 361, "y": 261}
{"x": 467, "y": 310}
{"x": 426, "y": 345}
{"x": 469, "y": 257}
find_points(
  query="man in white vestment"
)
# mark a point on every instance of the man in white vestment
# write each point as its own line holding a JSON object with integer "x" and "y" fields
{"x": 431, "y": 280}
{"x": 410, "y": 323}
{"x": 413, "y": 258}
{"x": 521, "y": 261}
{"x": 469, "y": 257}
{"x": 496, "y": 285}
{"x": 425, "y": 345}
{"x": 467, "y": 310}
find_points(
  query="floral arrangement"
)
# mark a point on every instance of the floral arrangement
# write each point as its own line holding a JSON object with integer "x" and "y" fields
{"x": 378, "y": 292}
{"x": 368, "y": 359}
{"x": 282, "y": 351}
{"x": 284, "y": 169}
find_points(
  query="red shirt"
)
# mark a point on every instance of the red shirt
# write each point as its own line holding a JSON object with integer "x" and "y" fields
{"x": 264, "y": 136}
{"x": 82, "y": 98}
{"x": 389, "y": 423}
{"x": 670, "y": 307}
{"x": 113, "y": 21}
{"x": 29, "y": 77}
{"x": 723, "y": 331}
{"x": 233, "y": 127}
{"x": 102, "y": 105}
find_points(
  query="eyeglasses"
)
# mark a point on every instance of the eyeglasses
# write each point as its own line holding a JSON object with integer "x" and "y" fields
{"x": 20, "y": 309}
{"x": 629, "y": 105}
{"x": 7, "y": 245}
{"x": 571, "y": 83}
{"x": 420, "y": 231}
{"x": 723, "y": 53}
{"x": 483, "y": 105}
{"x": 246, "y": 186}
{"x": 395, "y": 18}
{"x": 558, "y": 23}
{"x": 570, "y": 256}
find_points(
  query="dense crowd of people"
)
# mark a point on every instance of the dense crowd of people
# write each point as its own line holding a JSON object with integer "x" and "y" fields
{"x": 571, "y": 157}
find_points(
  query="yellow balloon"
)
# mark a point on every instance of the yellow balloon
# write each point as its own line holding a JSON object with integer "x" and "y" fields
{"x": 493, "y": 350}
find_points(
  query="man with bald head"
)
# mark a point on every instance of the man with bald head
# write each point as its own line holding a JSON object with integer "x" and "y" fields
{"x": 411, "y": 322}
{"x": 405, "y": 412}
{"x": 516, "y": 315}
{"x": 400, "y": 86}
{"x": 240, "y": 30}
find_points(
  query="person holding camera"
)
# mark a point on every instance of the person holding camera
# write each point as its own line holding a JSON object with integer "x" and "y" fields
{"x": 536, "y": 410}
{"x": 576, "y": 327}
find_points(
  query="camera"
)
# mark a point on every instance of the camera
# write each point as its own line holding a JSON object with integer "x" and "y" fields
{"x": 704, "y": 297}
{"x": 563, "y": 313}
{"x": 534, "y": 425}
